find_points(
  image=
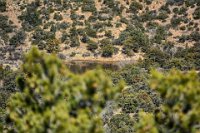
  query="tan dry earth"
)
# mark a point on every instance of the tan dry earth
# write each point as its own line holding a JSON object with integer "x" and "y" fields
{"x": 13, "y": 12}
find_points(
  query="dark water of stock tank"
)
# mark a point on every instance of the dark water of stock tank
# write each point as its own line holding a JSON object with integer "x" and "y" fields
{"x": 81, "y": 66}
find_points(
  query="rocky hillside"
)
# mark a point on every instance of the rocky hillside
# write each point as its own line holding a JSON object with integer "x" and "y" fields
{"x": 104, "y": 30}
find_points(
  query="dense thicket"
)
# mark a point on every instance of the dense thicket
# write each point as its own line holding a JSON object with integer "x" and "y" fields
{"x": 54, "y": 99}
{"x": 7, "y": 87}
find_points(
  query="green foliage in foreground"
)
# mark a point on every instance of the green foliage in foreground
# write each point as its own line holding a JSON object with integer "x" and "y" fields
{"x": 54, "y": 100}
{"x": 181, "y": 111}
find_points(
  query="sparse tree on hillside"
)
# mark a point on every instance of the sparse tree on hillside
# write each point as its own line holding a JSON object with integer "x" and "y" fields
{"x": 2, "y": 5}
